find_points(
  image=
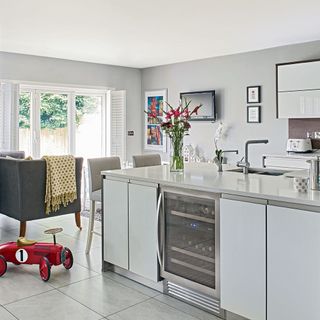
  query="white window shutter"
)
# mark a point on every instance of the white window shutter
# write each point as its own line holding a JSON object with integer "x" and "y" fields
{"x": 2, "y": 129}
{"x": 9, "y": 116}
{"x": 118, "y": 124}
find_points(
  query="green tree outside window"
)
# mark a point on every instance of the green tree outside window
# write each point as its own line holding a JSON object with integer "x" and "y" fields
{"x": 54, "y": 110}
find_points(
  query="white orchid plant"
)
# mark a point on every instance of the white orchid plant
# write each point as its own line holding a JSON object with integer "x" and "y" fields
{"x": 218, "y": 152}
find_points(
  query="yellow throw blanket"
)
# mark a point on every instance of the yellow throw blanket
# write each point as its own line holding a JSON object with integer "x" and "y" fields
{"x": 61, "y": 188}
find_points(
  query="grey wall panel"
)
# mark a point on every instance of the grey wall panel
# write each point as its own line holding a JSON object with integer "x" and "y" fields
{"x": 58, "y": 71}
{"x": 229, "y": 76}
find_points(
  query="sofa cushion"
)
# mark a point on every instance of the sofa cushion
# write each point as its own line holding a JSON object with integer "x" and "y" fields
{"x": 13, "y": 154}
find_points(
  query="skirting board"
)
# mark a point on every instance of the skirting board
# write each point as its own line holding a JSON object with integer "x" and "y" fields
{"x": 132, "y": 276}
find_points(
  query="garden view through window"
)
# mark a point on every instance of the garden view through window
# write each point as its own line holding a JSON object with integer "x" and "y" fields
{"x": 25, "y": 123}
{"x": 53, "y": 124}
{"x": 50, "y": 125}
{"x": 89, "y": 126}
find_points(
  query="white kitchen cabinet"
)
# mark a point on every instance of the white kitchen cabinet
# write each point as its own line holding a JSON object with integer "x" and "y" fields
{"x": 115, "y": 208}
{"x": 286, "y": 162}
{"x": 299, "y": 76}
{"x": 130, "y": 226}
{"x": 243, "y": 258}
{"x": 298, "y": 90}
{"x": 299, "y": 104}
{"x": 293, "y": 276}
{"x": 143, "y": 230}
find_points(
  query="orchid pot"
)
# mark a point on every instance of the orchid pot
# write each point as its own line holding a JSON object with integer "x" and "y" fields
{"x": 218, "y": 159}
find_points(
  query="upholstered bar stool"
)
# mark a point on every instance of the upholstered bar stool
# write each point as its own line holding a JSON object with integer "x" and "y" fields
{"x": 95, "y": 166}
{"x": 146, "y": 160}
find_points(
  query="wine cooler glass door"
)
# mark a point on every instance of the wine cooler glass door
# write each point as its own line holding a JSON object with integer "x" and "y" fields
{"x": 190, "y": 233}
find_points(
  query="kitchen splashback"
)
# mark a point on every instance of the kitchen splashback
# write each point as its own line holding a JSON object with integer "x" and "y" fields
{"x": 298, "y": 128}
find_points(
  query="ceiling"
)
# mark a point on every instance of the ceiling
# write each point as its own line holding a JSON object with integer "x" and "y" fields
{"x": 146, "y": 33}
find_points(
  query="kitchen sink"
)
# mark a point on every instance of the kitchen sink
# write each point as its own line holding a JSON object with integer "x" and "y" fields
{"x": 262, "y": 171}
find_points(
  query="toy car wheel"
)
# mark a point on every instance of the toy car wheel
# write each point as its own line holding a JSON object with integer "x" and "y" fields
{"x": 3, "y": 266}
{"x": 45, "y": 269}
{"x": 68, "y": 258}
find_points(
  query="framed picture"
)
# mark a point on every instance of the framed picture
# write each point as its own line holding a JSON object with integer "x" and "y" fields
{"x": 155, "y": 103}
{"x": 254, "y": 94}
{"x": 253, "y": 114}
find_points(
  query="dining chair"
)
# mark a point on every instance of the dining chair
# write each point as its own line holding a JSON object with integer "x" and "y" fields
{"x": 95, "y": 166}
{"x": 146, "y": 160}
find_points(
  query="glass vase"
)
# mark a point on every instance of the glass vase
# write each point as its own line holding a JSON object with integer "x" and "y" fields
{"x": 218, "y": 163}
{"x": 176, "y": 154}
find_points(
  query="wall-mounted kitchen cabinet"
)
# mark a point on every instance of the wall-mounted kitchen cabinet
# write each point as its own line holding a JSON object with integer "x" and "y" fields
{"x": 298, "y": 90}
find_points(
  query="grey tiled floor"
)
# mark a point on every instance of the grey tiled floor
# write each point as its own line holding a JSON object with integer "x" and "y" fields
{"x": 83, "y": 292}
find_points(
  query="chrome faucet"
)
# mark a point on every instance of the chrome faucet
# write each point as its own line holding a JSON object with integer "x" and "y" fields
{"x": 231, "y": 151}
{"x": 245, "y": 164}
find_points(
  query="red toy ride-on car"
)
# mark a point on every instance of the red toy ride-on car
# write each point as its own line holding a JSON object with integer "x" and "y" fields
{"x": 44, "y": 254}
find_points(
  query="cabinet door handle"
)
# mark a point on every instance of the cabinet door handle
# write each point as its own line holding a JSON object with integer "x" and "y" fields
{"x": 158, "y": 233}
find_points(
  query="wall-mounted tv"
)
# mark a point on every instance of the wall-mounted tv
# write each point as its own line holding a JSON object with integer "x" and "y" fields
{"x": 207, "y": 98}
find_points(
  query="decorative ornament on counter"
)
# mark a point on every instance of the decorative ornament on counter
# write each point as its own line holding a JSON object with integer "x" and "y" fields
{"x": 192, "y": 154}
{"x": 176, "y": 125}
{"x": 188, "y": 153}
{"x": 300, "y": 184}
{"x": 218, "y": 159}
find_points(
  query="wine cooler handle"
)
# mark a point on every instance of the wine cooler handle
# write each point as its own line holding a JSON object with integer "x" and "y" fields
{"x": 158, "y": 233}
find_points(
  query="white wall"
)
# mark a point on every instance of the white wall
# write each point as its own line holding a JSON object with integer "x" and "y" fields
{"x": 59, "y": 71}
{"x": 229, "y": 76}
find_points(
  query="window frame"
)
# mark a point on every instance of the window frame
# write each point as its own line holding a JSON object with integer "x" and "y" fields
{"x": 71, "y": 92}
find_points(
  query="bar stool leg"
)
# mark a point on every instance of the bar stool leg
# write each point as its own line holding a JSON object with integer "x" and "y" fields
{"x": 91, "y": 225}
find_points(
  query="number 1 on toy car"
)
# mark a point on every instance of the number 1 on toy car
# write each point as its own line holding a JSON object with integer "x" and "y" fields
{"x": 22, "y": 255}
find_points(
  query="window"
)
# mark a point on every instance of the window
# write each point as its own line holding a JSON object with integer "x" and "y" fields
{"x": 25, "y": 122}
{"x": 84, "y": 122}
{"x": 60, "y": 121}
{"x": 89, "y": 126}
{"x": 53, "y": 124}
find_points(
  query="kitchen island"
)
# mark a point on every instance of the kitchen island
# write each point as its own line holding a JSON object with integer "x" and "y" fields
{"x": 221, "y": 241}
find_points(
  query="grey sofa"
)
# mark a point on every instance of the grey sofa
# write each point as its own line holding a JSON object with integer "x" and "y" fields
{"x": 22, "y": 191}
{"x": 13, "y": 154}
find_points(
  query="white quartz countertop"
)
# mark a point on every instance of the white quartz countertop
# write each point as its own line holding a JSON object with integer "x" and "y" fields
{"x": 204, "y": 177}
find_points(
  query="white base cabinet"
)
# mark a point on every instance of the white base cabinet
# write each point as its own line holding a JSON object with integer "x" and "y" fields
{"x": 293, "y": 268}
{"x": 115, "y": 208}
{"x": 130, "y": 227}
{"x": 270, "y": 261}
{"x": 143, "y": 231}
{"x": 243, "y": 258}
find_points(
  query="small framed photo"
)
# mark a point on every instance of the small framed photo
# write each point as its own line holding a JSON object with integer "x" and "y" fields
{"x": 253, "y": 114}
{"x": 254, "y": 94}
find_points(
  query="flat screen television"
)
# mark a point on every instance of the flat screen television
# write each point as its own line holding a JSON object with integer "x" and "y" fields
{"x": 207, "y": 98}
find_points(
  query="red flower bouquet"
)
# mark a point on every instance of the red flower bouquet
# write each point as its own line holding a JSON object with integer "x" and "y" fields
{"x": 176, "y": 125}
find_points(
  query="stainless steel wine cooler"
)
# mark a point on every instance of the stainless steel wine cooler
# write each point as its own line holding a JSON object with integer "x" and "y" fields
{"x": 189, "y": 246}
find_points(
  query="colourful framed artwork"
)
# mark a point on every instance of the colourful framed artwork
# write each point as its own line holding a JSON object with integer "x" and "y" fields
{"x": 154, "y": 137}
